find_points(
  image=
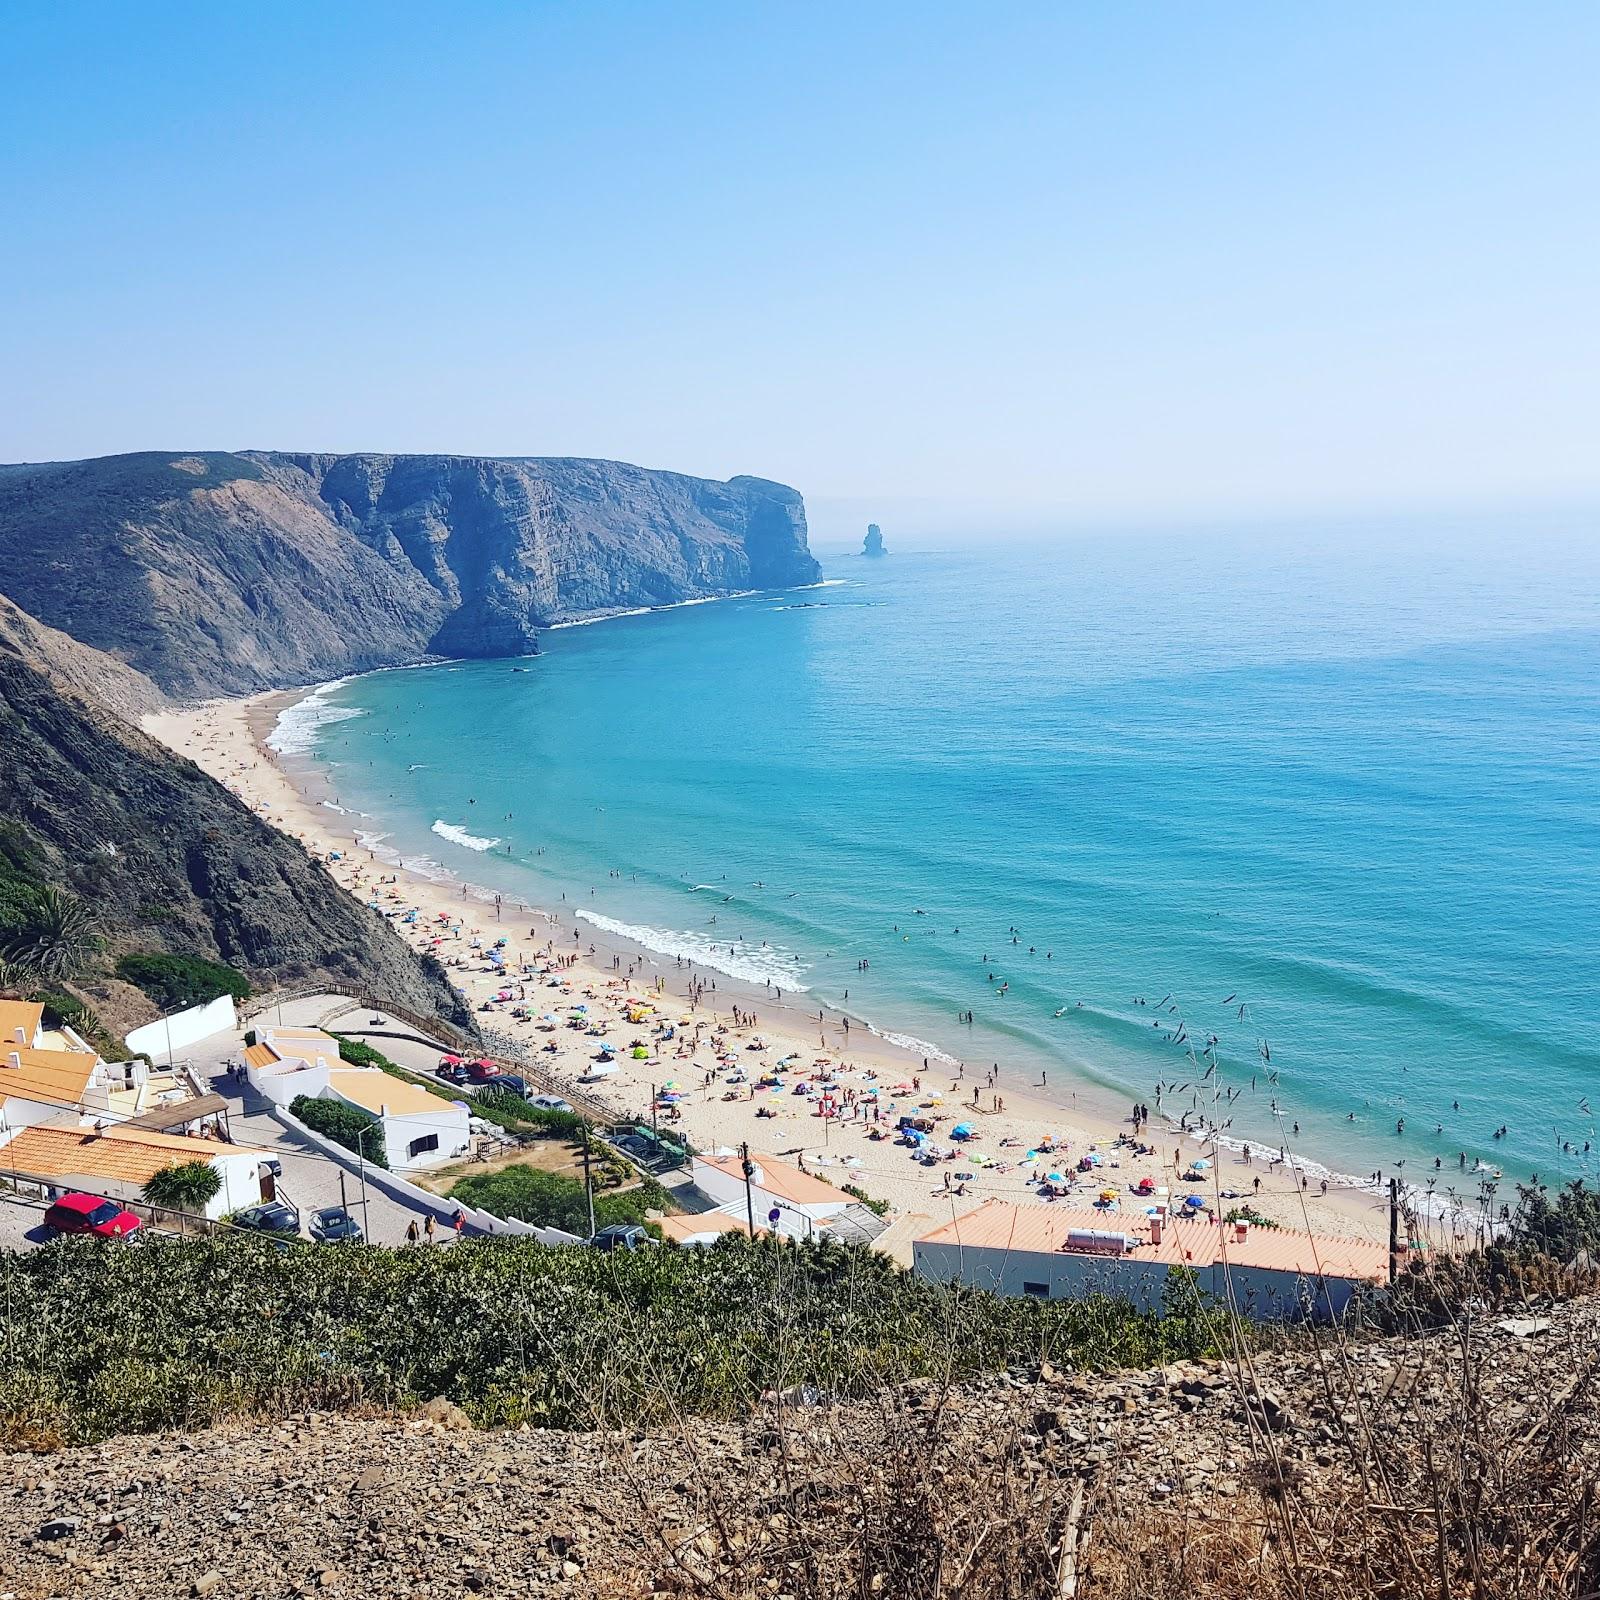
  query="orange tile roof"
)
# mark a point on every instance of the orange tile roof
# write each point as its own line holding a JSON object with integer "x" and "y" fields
{"x": 52, "y": 1077}
{"x": 22, "y": 1014}
{"x": 1044, "y": 1229}
{"x": 776, "y": 1177}
{"x": 126, "y": 1154}
{"x": 696, "y": 1224}
{"x": 1278, "y": 1250}
{"x": 260, "y": 1055}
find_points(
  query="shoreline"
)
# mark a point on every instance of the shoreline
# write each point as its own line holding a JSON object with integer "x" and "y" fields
{"x": 230, "y": 739}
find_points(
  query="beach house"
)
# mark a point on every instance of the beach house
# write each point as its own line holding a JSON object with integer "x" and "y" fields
{"x": 420, "y": 1129}
{"x": 1052, "y": 1252}
{"x": 782, "y": 1197}
{"x": 118, "y": 1161}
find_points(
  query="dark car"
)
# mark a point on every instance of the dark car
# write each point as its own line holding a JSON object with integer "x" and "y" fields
{"x": 621, "y": 1236}
{"x": 510, "y": 1082}
{"x": 89, "y": 1213}
{"x": 335, "y": 1225}
{"x": 273, "y": 1218}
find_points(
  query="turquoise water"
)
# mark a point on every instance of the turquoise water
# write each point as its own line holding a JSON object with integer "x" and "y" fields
{"x": 1349, "y": 777}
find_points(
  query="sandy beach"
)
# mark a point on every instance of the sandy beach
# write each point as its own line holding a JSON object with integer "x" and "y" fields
{"x": 517, "y": 964}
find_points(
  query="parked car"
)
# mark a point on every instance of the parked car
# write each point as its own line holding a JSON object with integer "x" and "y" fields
{"x": 335, "y": 1225}
{"x": 621, "y": 1236}
{"x": 481, "y": 1071}
{"x": 549, "y": 1102}
{"x": 275, "y": 1217}
{"x": 451, "y": 1072}
{"x": 509, "y": 1081}
{"x": 89, "y": 1213}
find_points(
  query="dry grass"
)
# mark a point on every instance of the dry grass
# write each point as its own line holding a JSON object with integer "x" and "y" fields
{"x": 1457, "y": 1467}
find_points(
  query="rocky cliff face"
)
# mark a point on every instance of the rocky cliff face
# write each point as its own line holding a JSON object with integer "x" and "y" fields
{"x": 216, "y": 574}
{"x": 166, "y": 858}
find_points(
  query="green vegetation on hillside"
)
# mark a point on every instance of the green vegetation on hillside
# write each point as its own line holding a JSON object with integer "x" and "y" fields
{"x": 173, "y": 982}
{"x": 508, "y": 1329}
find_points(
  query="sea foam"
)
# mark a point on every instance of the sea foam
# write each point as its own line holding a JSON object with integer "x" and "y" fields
{"x": 298, "y": 726}
{"x": 754, "y": 964}
{"x": 460, "y": 836}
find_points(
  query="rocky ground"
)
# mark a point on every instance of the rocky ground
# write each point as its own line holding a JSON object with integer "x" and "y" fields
{"x": 422, "y": 1505}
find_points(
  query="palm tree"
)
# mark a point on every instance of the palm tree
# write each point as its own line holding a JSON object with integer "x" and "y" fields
{"x": 190, "y": 1186}
{"x": 57, "y": 939}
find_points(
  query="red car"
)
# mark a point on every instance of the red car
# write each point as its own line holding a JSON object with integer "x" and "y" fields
{"x": 481, "y": 1070}
{"x": 88, "y": 1213}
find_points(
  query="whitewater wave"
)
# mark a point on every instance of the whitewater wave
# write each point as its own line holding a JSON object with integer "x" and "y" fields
{"x": 604, "y": 616}
{"x": 298, "y": 726}
{"x": 368, "y": 840}
{"x": 920, "y": 1047}
{"x": 758, "y": 964}
{"x": 460, "y": 836}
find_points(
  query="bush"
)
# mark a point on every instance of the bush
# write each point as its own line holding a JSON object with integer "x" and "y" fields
{"x": 190, "y": 1186}
{"x": 355, "y": 1129}
{"x": 508, "y": 1329}
{"x": 173, "y": 982}
{"x": 856, "y": 1192}
{"x": 549, "y": 1200}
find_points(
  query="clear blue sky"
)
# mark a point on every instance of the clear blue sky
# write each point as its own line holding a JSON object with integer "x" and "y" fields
{"x": 1091, "y": 258}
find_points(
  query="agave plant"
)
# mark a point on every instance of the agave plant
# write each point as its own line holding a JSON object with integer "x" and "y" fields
{"x": 58, "y": 938}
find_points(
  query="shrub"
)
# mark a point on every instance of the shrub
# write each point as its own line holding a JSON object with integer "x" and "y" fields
{"x": 173, "y": 982}
{"x": 856, "y": 1192}
{"x": 508, "y": 1329}
{"x": 355, "y": 1129}
{"x": 550, "y": 1200}
{"x": 190, "y": 1186}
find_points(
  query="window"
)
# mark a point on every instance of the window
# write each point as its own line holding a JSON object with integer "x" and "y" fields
{"x": 420, "y": 1147}
{"x": 1040, "y": 1291}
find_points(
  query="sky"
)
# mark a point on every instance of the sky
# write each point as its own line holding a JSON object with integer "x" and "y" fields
{"x": 1077, "y": 260}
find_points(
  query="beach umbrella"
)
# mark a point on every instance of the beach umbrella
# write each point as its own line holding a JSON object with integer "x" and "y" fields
{"x": 1200, "y": 1164}
{"x": 1054, "y": 1177}
{"x": 1108, "y": 1194}
{"x": 1195, "y": 1202}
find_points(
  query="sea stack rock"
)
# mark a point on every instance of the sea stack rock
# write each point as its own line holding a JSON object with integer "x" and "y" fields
{"x": 872, "y": 545}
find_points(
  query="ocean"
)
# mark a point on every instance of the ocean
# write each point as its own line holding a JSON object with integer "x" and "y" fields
{"x": 1328, "y": 794}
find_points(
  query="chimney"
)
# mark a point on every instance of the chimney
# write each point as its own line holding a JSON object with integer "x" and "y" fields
{"x": 1240, "y": 1229}
{"x": 14, "y": 1060}
{"x": 20, "y": 1036}
{"x": 1155, "y": 1228}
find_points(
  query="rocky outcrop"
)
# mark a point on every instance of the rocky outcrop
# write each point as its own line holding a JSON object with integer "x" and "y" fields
{"x": 872, "y": 545}
{"x": 214, "y": 573}
{"x": 163, "y": 855}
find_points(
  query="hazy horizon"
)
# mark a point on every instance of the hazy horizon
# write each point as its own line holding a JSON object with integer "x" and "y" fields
{"x": 1026, "y": 262}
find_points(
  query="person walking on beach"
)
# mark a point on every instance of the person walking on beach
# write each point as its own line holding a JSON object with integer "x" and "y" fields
{"x": 427, "y": 1226}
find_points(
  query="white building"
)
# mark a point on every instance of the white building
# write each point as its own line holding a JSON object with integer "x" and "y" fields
{"x": 783, "y": 1198}
{"x": 117, "y": 1162}
{"x": 1051, "y": 1253}
{"x": 420, "y": 1129}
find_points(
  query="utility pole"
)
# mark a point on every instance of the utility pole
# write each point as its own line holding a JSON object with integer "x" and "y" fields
{"x": 588, "y": 1180}
{"x": 361, "y": 1158}
{"x": 1394, "y": 1228}
{"x": 749, "y": 1194}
